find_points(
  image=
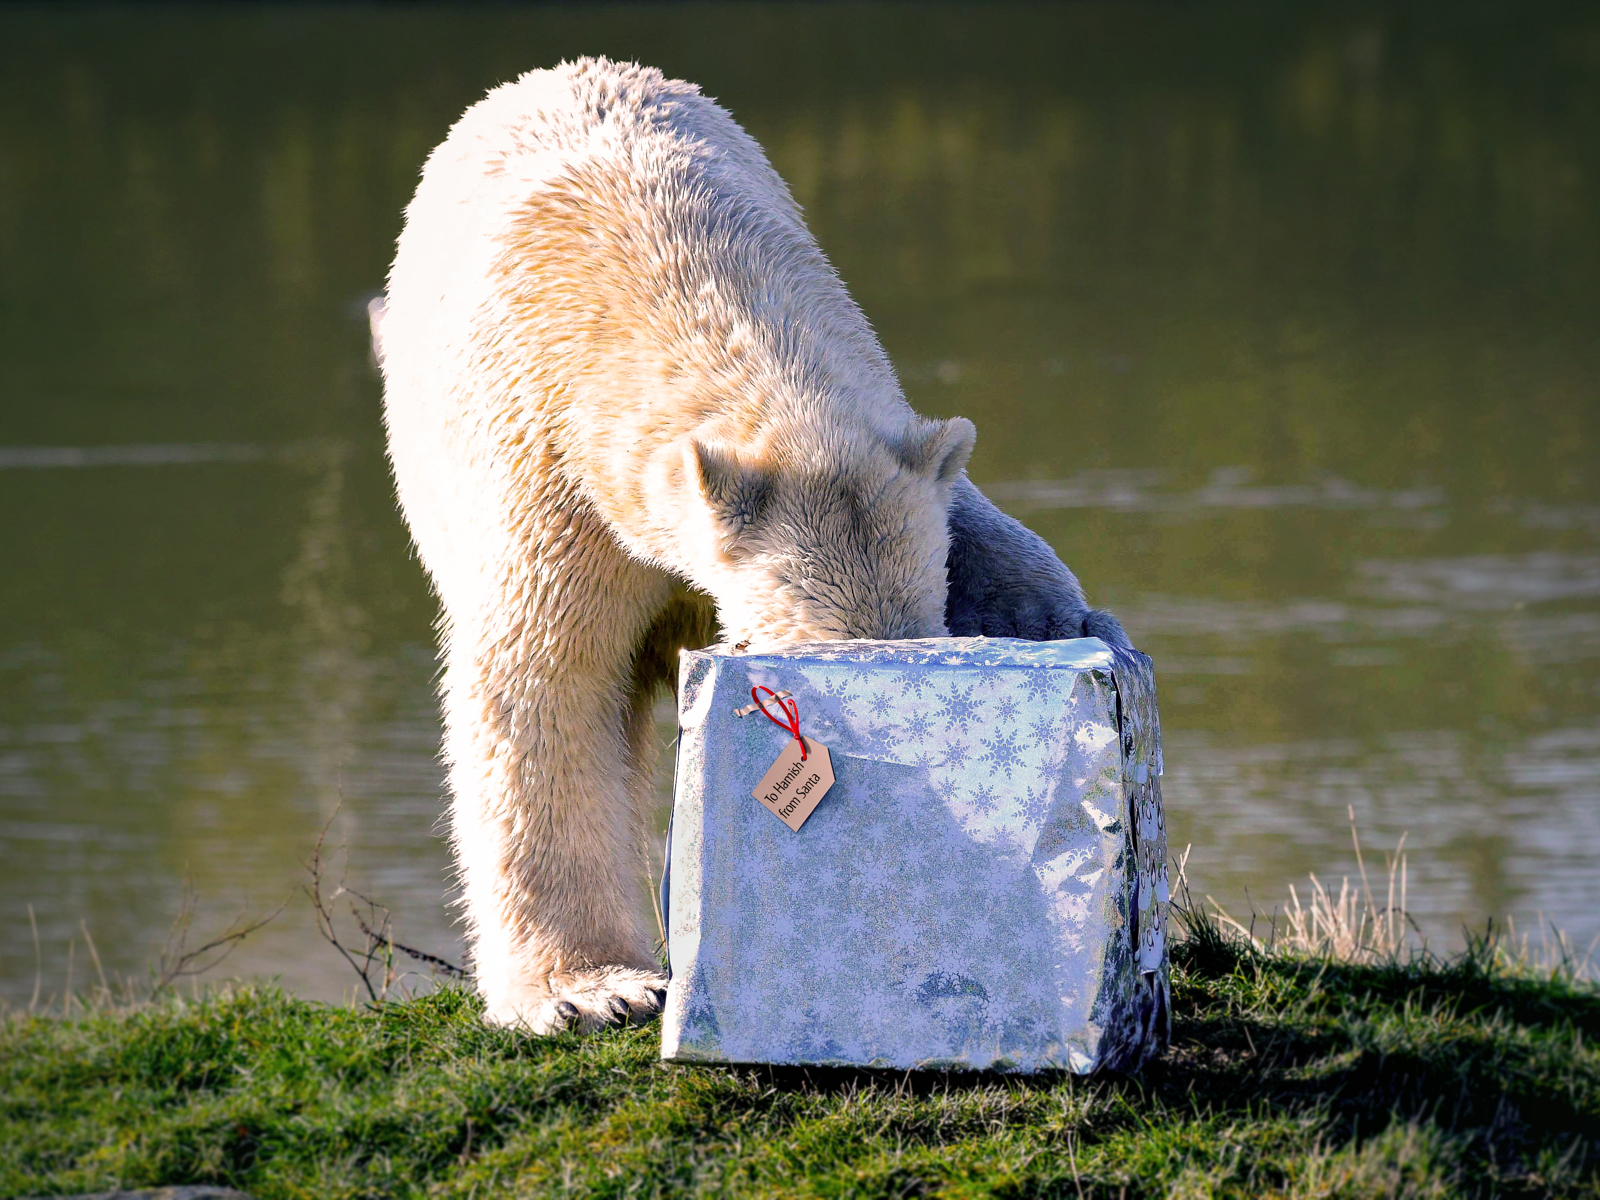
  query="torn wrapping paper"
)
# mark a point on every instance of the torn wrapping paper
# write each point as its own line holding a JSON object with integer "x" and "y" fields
{"x": 984, "y": 885}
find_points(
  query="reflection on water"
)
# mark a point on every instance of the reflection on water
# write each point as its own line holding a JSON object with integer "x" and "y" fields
{"x": 1135, "y": 491}
{"x": 1278, "y": 329}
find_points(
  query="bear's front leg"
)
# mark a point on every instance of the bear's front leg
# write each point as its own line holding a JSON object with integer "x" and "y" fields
{"x": 537, "y": 732}
{"x": 1005, "y": 581}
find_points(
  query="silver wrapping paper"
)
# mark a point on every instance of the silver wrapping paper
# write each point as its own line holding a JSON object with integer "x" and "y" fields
{"x": 984, "y": 886}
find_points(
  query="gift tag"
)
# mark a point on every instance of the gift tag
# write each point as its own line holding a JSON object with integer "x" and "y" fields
{"x": 794, "y": 785}
{"x": 803, "y": 773}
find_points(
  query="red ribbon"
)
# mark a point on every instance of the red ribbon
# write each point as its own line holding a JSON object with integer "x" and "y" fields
{"x": 790, "y": 710}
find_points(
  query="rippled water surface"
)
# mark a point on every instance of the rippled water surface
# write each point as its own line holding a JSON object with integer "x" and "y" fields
{"x": 1279, "y": 324}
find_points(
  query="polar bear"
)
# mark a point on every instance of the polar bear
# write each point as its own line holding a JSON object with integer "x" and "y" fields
{"x": 628, "y": 401}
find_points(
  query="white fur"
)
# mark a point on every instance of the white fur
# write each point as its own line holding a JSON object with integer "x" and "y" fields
{"x": 621, "y": 383}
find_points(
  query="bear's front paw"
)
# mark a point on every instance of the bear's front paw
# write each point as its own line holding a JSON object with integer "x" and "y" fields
{"x": 589, "y": 1000}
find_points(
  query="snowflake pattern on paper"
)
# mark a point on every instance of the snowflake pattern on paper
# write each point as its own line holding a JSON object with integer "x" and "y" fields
{"x": 1004, "y": 752}
{"x": 960, "y": 710}
{"x": 983, "y": 886}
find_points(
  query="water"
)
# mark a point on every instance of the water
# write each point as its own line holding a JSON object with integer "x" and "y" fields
{"x": 1279, "y": 324}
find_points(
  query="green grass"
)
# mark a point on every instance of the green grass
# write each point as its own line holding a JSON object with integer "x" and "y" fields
{"x": 1286, "y": 1077}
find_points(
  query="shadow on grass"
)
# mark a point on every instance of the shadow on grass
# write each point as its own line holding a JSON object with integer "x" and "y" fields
{"x": 1484, "y": 1056}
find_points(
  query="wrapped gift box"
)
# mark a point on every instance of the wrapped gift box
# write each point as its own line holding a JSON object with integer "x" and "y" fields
{"x": 983, "y": 886}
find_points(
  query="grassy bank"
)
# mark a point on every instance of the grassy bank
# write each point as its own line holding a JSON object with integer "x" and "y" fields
{"x": 1287, "y": 1076}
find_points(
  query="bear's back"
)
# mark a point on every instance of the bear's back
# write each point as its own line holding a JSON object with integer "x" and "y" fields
{"x": 548, "y": 123}
{"x": 599, "y": 210}
{"x": 617, "y": 138}
{"x": 597, "y": 261}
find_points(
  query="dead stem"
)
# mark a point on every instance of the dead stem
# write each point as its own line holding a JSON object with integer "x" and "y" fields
{"x": 373, "y": 961}
{"x": 1347, "y": 925}
{"x": 177, "y": 960}
{"x": 94, "y": 954}
{"x": 38, "y": 961}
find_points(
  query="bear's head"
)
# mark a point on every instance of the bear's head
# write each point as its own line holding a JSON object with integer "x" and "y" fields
{"x": 822, "y": 537}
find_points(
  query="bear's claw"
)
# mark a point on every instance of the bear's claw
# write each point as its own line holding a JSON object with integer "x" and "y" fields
{"x": 604, "y": 998}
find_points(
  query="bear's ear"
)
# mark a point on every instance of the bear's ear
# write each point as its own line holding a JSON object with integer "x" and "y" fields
{"x": 940, "y": 448}
{"x": 733, "y": 492}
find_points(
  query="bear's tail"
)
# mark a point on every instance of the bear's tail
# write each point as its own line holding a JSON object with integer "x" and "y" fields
{"x": 377, "y": 309}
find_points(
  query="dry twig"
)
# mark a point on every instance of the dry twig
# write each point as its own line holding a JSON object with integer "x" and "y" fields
{"x": 373, "y": 960}
{"x": 422, "y": 956}
{"x": 177, "y": 960}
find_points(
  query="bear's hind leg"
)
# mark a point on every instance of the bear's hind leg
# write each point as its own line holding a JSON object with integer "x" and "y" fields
{"x": 689, "y": 619}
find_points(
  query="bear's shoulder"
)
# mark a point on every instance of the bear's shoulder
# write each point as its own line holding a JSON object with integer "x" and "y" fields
{"x": 590, "y": 107}
{"x": 572, "y": 102}
{"x": 594, "y": 118}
